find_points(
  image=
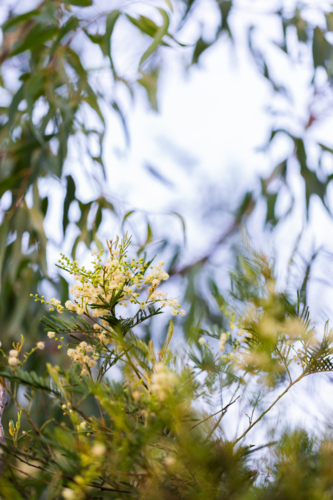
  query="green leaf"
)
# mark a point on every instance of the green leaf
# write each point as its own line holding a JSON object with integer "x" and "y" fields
{"x": 118, "y": 110}
{"x": 79, "y": 3}
{"x": 110, "y": 24}
{"x": 270, "y": 203}
{"x": 128, "y": 214}
{"x": 182, "y": 222}
{"x": 144, "y": 24}
{"x": 92, "y": 100}
{"x": 30, "y": 379}
{"x": 11, "y": 181}
{"x": 325, "y": 148}
{"x": 321, "y": 49}
{"x": 149, "y": 82}
{"x": 70, "y": 196}
{"x": 169, "y": 4}
{"x": 200, "y": 47}
{"x": 69, "y": 26}
{"x": 14, "y": 105}
{"x": 225, "y": 8}
{"x": 36, "y": 37}
{"x": 19, "y": 19}
{"x": 4, "y": 232}
{"x": 162, "y": 30}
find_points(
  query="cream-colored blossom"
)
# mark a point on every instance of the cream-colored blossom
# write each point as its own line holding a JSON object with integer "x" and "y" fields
{"x": 13, "y": 361}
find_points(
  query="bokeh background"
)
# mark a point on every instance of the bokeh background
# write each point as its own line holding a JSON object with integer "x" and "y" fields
{"x": 220, "y": 139}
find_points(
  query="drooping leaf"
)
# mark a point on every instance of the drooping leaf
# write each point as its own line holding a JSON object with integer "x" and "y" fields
{"x": 70, "y": 196}
{"x": 162, "y": 30}
{"x": 149, "y": 82}
{"x": 110, "y": 24}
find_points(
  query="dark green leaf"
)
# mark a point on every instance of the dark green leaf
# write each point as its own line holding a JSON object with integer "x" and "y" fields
{"x": 70, "y": 196}
{"x": 79, "y": 3}
{"x": 19, "y": 19}
{"x": 200, "y": 47}
{"x": 35, "y": 38}
{"x": 69, "y": 26}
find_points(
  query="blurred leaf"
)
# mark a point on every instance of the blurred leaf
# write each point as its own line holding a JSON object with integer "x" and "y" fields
{"x": 149, "y": 82}
{"x": 36, "y": 37}
{"x": 79, "y": 3}
{"x": 116, "y": 107}
{"x": 70, "y": 196}
{"x": 17, "y": 98}
{"x": 19, "y": 19}
{"x": 110, "y": 24}
{"x": 225, "y": 8}
{"x": 169, "y": 4}
{"x": 270, "y": 203}
{"x": 246, "y": 206}
{"x": 182, "y": 222}
{"x": 200, "y": 47}
{"x": 69, "y": 26}
{"x": 160, "y": 177}
{"x": 126, "y": 216}
{"x": 162, "y": 30}
{"x": 313, "y": 185}
{"x": 11, "y": 181}
{"x": 321, "y": 49}
{"x": 146, "y": 25}
{"x": 325, "y": 148}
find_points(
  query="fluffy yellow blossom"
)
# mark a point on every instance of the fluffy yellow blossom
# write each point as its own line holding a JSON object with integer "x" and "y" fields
{"x": 163, "y": 381}
{"x": 13, "y": 361}
{"x": 98, "y": 450}
{"x": 111, "y": 282}
{"x": 223, "y": 339}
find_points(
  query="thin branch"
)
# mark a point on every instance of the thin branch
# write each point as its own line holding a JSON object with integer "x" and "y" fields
{"x": 285, "y": 364}
{"x": 214, "y": 414}
{"x": 219, "y": 420}
{"x": 31, "y": 477}
{"x": 268, "y": 409}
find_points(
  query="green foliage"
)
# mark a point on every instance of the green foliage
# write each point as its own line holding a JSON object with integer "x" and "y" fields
{"x": 149, "y": 435}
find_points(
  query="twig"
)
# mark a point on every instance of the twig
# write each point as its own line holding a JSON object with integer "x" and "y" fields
{"x": 31, "y": 477}
{"x": 210, "y": 416}
{"x": 219, "y": 420}
{"x": 270, "y": 407}
{"x": 260, "y": 447}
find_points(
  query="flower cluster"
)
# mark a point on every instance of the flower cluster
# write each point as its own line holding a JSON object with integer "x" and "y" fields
{"x": 13, "y": 358}
{"x": 81, "y": 354}
{"x": 162, "y": 382}
{"x": 117, "y": 276}
{"x": 96, "y": 293}
{"x": 223, "y": 339}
